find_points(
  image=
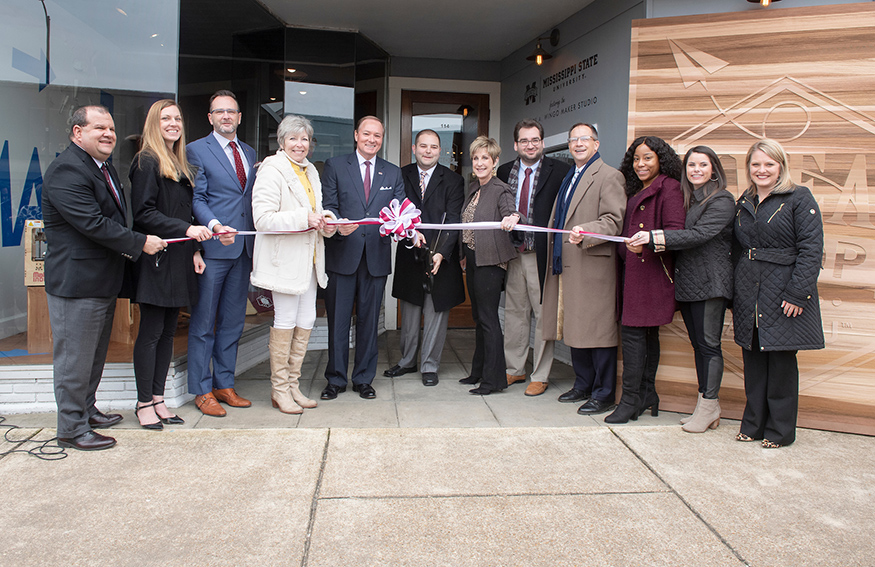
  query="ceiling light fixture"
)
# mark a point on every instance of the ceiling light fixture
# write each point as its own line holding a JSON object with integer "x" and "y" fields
{"x": 539, "y": 55}
{"x": 764, "y": 3}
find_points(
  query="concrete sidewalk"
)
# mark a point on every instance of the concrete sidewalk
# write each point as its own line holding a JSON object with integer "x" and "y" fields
{"x": 435, "y": 476}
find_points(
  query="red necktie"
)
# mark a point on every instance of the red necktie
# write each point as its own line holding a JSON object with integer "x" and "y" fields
{"x": 524, "y": 200}
{"x": 524, "y": 196}
{"x": 367, "y": 181}
{"x": 422, "y": 184}
{"x": 111, "y": 186}
{"x": 238, "y": 165}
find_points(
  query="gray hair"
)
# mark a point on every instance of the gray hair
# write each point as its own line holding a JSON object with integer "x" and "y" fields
{"x": 292, "y": 124}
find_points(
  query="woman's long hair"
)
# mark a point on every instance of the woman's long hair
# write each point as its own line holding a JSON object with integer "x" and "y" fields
{"x": 714, "y": 185}
{"x": 775, "y": 151}
{"x": 172, "y": 165}
{"x": 669, "y": 162}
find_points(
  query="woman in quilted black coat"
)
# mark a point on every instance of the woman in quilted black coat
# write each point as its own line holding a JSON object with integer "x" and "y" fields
{"x": 702, "y": 273}
{"x": 778, "y": 247}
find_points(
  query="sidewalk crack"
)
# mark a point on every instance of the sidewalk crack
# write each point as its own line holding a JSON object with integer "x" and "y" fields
{"x": 683, "y": 501}
{"x": 315, "y": 502}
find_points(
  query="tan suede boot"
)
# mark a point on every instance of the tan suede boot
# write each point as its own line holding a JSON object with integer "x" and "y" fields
{"x": 689, "y": 417}
{"x": 300, "y": 339}
{"x": 280, "y": 395}
{"x": 707, "y": 418}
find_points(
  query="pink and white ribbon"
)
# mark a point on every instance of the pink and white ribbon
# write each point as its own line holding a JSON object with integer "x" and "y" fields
{"x": 400, "y": 221}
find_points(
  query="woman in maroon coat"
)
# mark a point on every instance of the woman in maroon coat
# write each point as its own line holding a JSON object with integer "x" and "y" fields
{"x": 655, "y": 202}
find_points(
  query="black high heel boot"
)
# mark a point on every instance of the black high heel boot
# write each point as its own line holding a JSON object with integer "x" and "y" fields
{"x": 625, "y": 411}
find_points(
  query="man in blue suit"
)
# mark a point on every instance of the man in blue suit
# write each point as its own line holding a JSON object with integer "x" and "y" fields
{"x": 222, "y": 202}
{"x": 358, "y": 262}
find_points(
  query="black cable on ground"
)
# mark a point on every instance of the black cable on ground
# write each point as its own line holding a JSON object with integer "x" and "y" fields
{"x": 43, "y": 450}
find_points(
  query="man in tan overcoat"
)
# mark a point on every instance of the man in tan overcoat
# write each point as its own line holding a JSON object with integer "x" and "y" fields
{"x": 580, "y": 287}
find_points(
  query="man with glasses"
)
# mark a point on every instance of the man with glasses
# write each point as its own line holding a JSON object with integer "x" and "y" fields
{"x": 580, "y": 290}
{"x": 223, "y": 203}
{"x": 428, "y": 280}
{"x": 536, "y": 180}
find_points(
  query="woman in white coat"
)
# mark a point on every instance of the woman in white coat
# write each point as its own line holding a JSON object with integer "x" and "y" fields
{"x": 287, "y": 196}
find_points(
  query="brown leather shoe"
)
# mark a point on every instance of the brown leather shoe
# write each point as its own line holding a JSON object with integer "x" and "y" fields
{"x": 209, "y": 405}
{"x": 511, "y": 379}
{"x": 230, "y": 397}
{"x": 536, "y": 388}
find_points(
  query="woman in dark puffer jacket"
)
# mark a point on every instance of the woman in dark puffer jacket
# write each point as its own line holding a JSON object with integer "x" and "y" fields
{"x": 777, "y": 251}
{"x": 703, "y": 273}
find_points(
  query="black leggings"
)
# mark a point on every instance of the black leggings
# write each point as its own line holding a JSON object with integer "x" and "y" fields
{"x": 154, "y": 349}
{"x": 704, "y": 321}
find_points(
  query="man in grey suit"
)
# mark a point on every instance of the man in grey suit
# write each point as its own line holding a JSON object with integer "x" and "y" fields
{"x": 438, "y": 193}
{"x": 355, "y": 186}
{"x": 223, "y": 203}
{"x": 88, "y": 246}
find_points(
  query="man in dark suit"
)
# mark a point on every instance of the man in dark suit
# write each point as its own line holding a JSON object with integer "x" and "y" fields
{"x": 536, "y": 180}
{"x": 355, "y": 186}
{"x": 223, "y": 203}
{"x": 88, "y": 245}
{"x": 438, "y": 193}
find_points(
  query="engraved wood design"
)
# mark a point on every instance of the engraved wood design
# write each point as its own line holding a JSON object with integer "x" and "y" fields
{"x": 805, "y": 77}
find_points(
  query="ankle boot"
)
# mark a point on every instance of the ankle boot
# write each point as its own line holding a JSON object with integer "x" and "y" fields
{"x": 279, "y": 346}
{"x": 695, "y": 411}
{"x": 707, "y": 418}
{"x": 300, "y": 339}
{"x": 630, "y": 400}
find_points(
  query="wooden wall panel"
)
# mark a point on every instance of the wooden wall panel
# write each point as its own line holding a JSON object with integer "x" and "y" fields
{"x": 806, "y": 77}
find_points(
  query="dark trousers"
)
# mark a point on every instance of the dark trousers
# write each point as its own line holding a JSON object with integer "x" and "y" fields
{"x": 364, "y": 292}
{"x": 216, "y": 323}
{"x": 81, "y": 327}
{"x": 595, "y": 370}
{"x": 771, "y": 384}
{"x": 153, "y": 349}
{"x": 641, "y": 361}
{"x": 484, "y": 289}
{"x": 704, "y": 321}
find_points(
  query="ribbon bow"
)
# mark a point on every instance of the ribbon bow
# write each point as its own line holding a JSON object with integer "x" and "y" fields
{"x": 399, "y": 220}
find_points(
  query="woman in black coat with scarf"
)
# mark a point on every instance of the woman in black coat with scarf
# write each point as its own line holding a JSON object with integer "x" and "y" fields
{"x": 161, "y": 194}
{"x": 778, "y": 246}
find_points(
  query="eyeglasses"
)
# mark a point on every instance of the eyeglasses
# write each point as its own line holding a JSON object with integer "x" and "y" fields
{"x": 228, "y": 111}
{"x": 579, "y": 139}
{"x": 532, "y": 142}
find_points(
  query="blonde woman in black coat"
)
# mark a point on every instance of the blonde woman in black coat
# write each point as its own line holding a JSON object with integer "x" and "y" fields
{"x": 778, "y": 246}
{"x": 161, "y": 194}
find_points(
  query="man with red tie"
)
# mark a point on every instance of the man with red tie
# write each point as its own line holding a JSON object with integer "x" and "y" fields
{"x": 222, "y": 202}
{"x": 536, "y": 180}
{"x": 358, "y": 260}
{"x": 89, "y": 243}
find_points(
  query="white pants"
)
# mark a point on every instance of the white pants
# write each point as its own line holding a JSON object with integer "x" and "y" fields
{"x": 290, "y": 311}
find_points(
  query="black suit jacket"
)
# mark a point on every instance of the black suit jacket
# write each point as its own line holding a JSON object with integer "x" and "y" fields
{"x": 162, "y": 206}
{"x": 549, "y": 181}
{"x": 88, "y": 243}
{"x": 445, "y": 194}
